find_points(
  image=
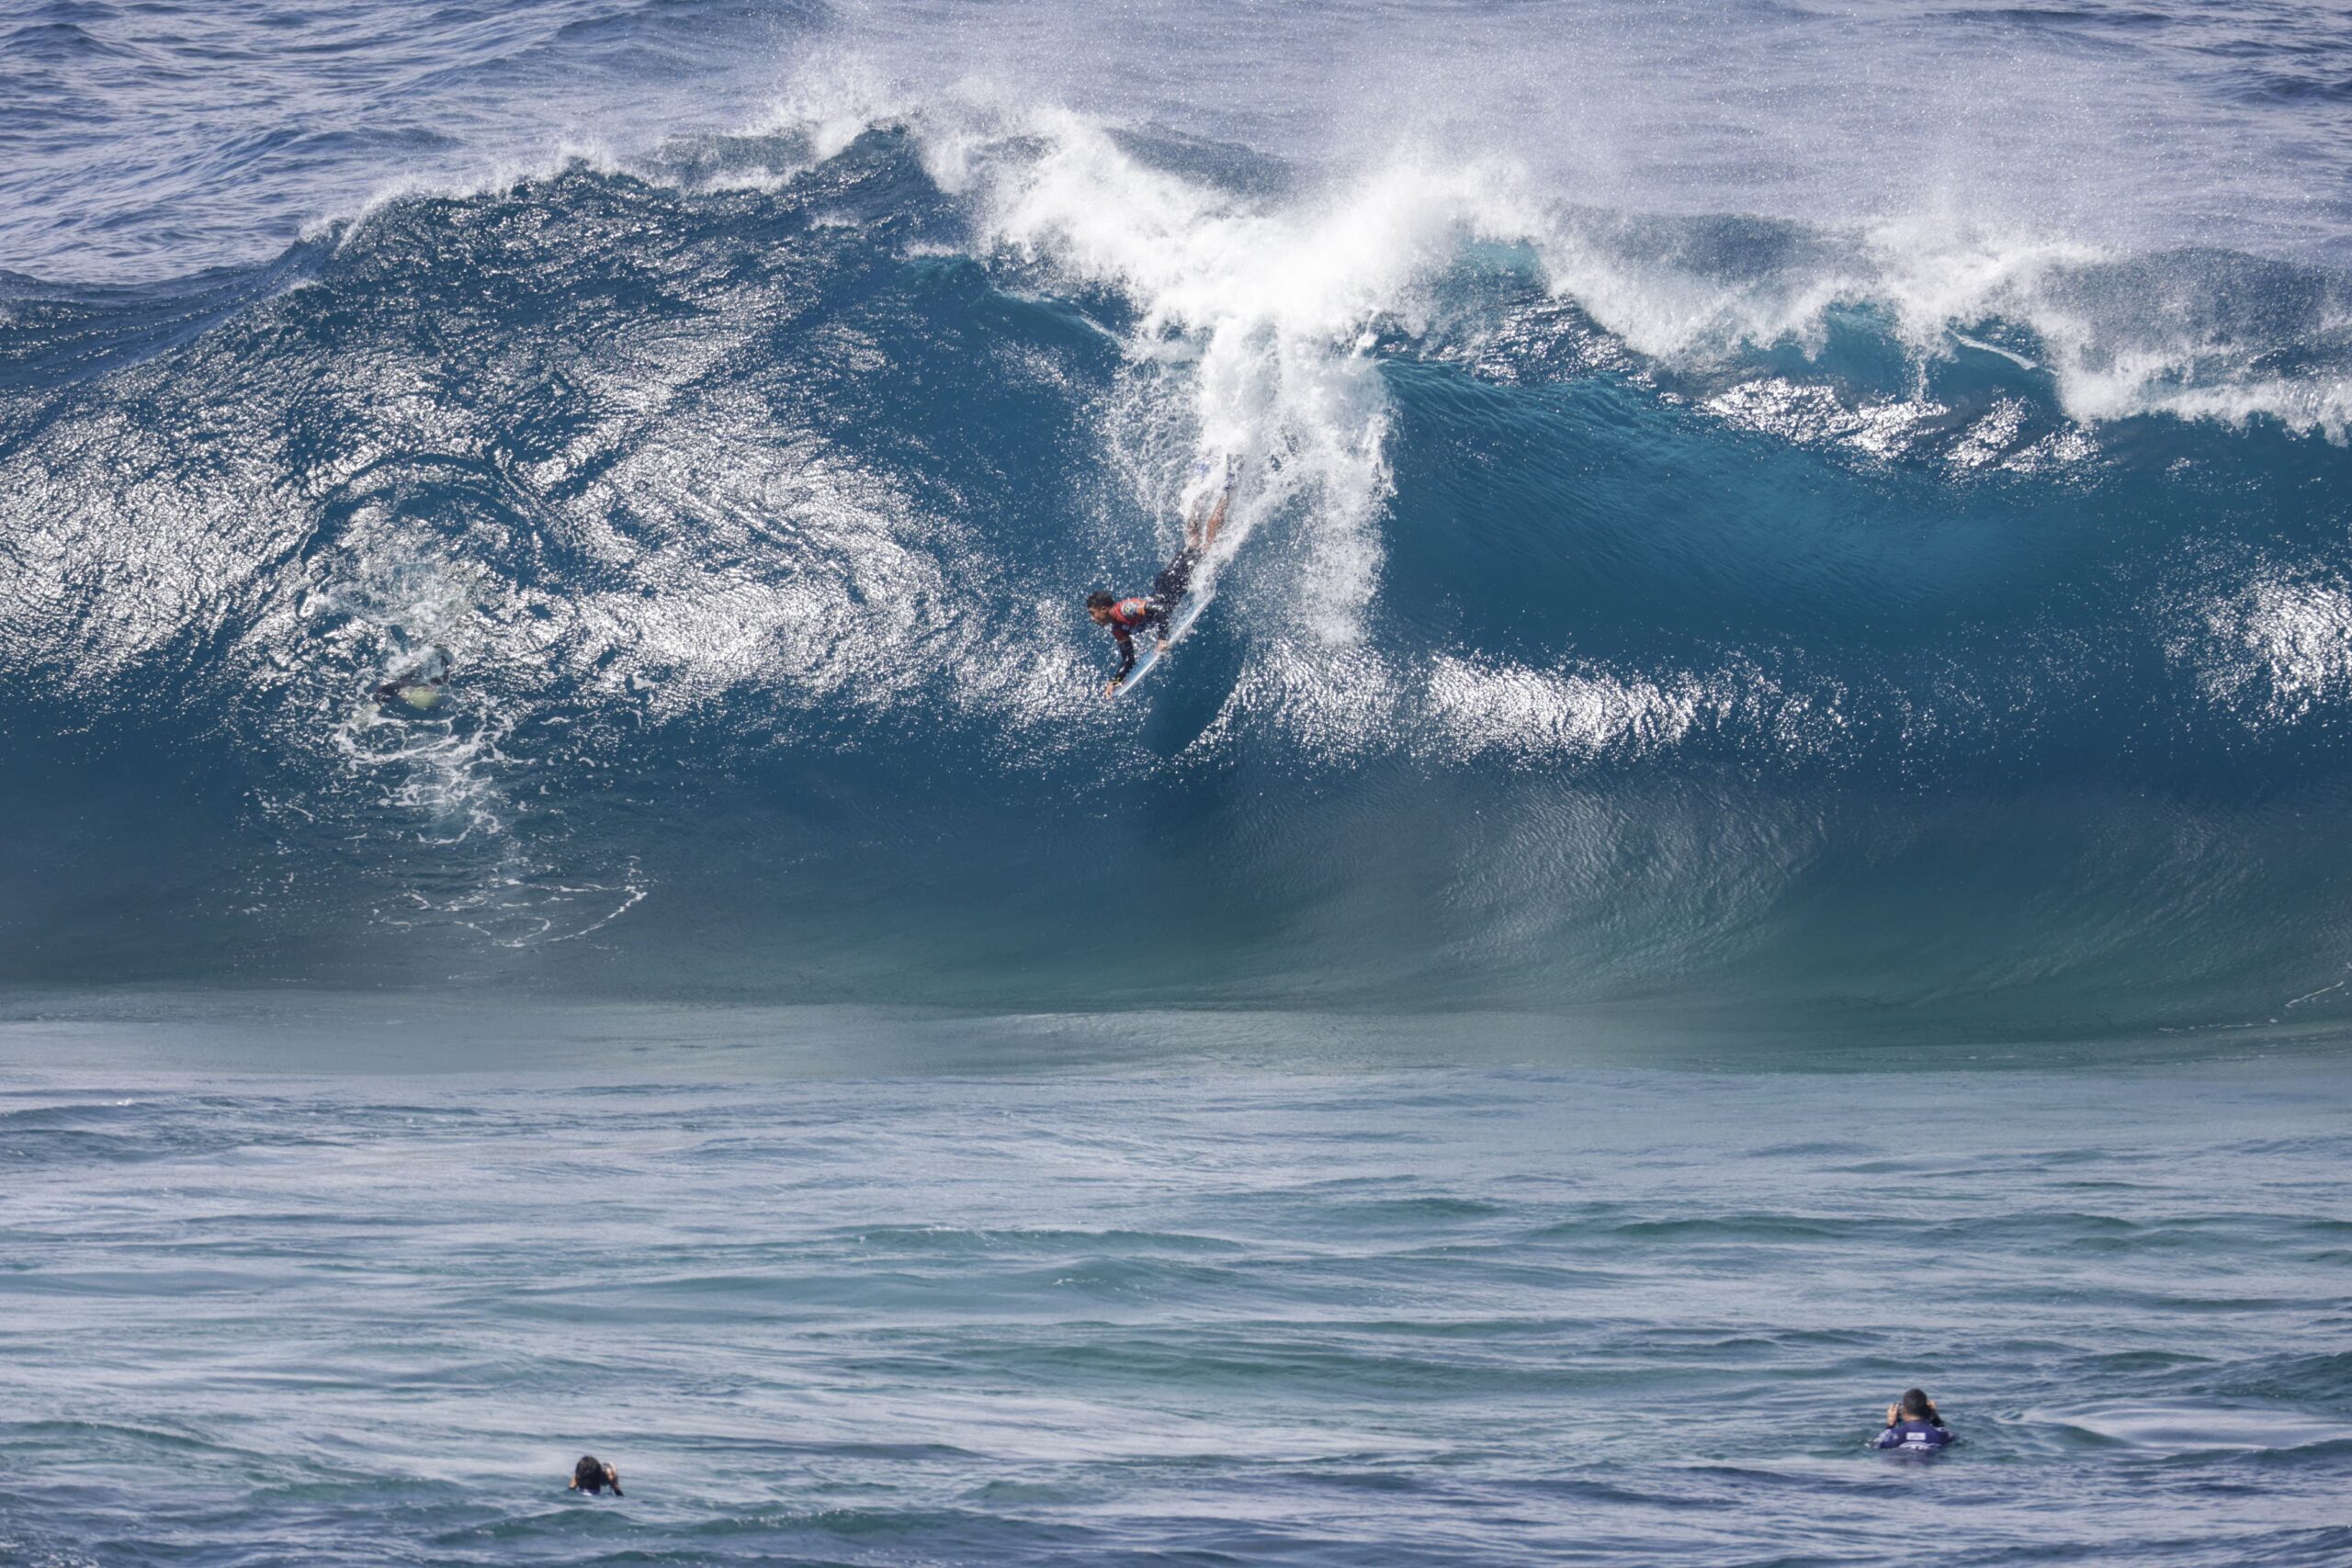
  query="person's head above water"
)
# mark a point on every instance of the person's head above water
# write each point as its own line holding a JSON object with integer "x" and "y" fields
{"x": 1100, "y": 605}
{"x": 1915, "y": 1405}
{"x": 591, "y": 1474}
{"x": 1914, "y": 1424}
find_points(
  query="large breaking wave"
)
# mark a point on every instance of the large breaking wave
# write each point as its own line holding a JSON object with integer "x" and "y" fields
{"x": 1918, "y": 624}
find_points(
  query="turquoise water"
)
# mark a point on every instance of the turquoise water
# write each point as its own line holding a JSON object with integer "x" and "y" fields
{"x": 1070, "y": 1290}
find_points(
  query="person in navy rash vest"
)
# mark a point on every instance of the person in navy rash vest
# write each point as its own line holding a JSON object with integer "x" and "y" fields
{"x": 1127, "y": 617}
{"x": 1913, "y": 1425}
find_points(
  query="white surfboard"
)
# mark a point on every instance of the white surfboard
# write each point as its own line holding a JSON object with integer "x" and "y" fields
{"x": 1188, "y": 610}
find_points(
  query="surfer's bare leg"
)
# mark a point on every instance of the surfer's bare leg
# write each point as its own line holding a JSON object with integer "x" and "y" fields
{"x": 1200, "y": 532}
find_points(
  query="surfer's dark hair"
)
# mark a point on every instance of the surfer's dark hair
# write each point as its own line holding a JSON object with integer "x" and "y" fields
{"x": 1098, "y": 600}
{"x": 1916, "y": 1404}
{"x": 591, "y": 1475}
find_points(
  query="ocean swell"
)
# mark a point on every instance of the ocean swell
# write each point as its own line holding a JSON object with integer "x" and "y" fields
{"x": 1701, "y": 614}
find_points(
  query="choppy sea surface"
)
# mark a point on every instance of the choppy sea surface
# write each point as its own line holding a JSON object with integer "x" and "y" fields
{"x": 1760, "y": 815}
{"x": 1031, "y": 1298}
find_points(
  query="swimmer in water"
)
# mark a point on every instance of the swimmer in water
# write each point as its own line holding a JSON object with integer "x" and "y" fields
{"x": 423, "y": 688}
{"x": 1914, "y": 1424}
{"x": 592, "y": 1475}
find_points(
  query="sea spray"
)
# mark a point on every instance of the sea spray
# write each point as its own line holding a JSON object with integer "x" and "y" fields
{"x": 1853, "y": 616}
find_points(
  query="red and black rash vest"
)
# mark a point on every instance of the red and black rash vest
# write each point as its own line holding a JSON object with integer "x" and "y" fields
{"x": 1129, "y": 616}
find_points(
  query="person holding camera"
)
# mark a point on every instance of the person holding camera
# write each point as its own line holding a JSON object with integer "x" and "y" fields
{"x": 1913, "y": 1425}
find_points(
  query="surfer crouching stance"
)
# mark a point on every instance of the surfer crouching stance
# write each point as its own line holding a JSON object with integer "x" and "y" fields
{"x": 1127, "y": 617}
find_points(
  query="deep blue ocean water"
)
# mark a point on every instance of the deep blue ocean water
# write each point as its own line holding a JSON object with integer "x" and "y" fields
{"x": 1761, "y": 813}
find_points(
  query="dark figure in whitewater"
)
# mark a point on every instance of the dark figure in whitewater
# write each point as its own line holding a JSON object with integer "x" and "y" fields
{"x": 1127, "y": 617}
{"x": 592, "y": 1475}
{"x": 423, "y": 687}
{"x": 1913, "y": 1425}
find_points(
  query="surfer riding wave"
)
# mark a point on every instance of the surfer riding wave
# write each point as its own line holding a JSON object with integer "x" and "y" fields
{"x": 1153, "y": 610}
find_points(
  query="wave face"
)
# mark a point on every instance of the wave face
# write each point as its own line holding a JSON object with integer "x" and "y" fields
{"x": 1779, "y": 606}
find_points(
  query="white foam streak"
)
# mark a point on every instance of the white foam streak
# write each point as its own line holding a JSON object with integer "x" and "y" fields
{"x": 1451, "y": 709}
{"x": 1274, "y": 292}
{"x": 1531, "y": 714}
{"x": 2111, "y": 355}
{"x": 1272, "y": 302}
